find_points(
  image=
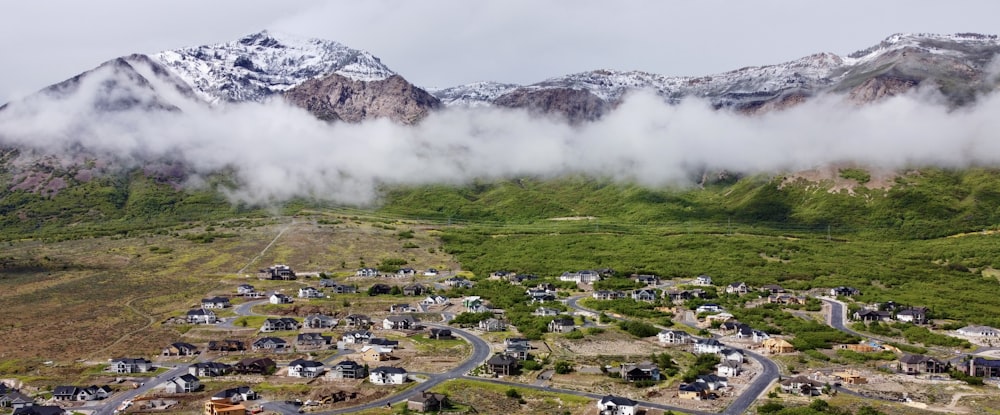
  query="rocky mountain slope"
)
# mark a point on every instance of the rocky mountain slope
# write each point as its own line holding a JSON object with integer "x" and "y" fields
{"x": 957, "y": 65}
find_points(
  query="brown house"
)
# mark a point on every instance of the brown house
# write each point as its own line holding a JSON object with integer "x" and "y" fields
{"x": 427, "y": 401}
{"x": 256, "y": 366}
{"x": 502, "y": 364}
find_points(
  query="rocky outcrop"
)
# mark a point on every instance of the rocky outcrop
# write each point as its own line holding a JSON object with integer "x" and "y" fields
{"x": 337, "y": 97}
{"x": 576, "y": 105}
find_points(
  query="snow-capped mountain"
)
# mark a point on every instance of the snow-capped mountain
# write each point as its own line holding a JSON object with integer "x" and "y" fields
{"x": 897, "y": 63}
{"x": 262, "y": 64}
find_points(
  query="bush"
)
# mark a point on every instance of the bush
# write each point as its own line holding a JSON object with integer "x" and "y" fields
{"x": 513, "y": 393}
{"x": 563, "y": 367}
{"x": 638, "y": 328}
{"x": 574, "y": 335}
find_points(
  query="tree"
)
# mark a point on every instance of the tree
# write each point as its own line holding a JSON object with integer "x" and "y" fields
{"x": 563, "y": 367}
{"x": 395, "y": 290}
{"x": 513, "y": 393}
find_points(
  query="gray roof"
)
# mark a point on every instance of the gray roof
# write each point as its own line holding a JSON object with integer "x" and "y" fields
{"x": 618, "y": 400}
{"x": 389, "y": 370}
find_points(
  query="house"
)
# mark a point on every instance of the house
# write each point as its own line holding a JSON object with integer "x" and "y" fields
{"x": 459, "y": 282}
{"x": 227, "y": 345}
{"x": 646, "y": 279}
{"x": 518, "y": 351}
{"x": 431, "y": 272}
{"x": 734, "y": 355}
{"x": 915, "y": 315}
{"x": 722, "y": 317}
{"x": 581, "y": 277}
{"x": 404, "y": 322}
{"x": 215, "y": 302}
{"x": 739, "y": 288}
{"x": 540, "y": 296}
{"x": 13, "y": 398}
{"x": 357, "y": 320}
{"x": 440, "y": 334}
{"x": 645, "y": 295}
{"x": 185, "y": 383}
{"x": 472, "y": 301}
{"x": 39, "y": 410}
{"x": 375, "y": 353}
{"x": 844, "y": 292}
{"x": 213, "y": 407}
{"x": 693, "y": 390}
{"x": 745, "y": 332}
{"x": 310, "y": 292}
{"x": 516, "y": 341}
{"x": 379, "y": 289}
{"x": 502, "y": 364}
{"x": 319, "y": 321}
{"x": 979, "y": 331}
{"x": 703, "y": 280}
{"x": 180, "y": 349}
{"x": 502, "y": 275}
{"x": 201, "y": 316}
{"x": 384, "y": 343}
{"x": 367, "y": 272}
{"x": 406, "y": 272}
{"x": 677, "y": 296}
{"x": 280, "y": 324}
{"x": 270, "y": 344}
{"x": 129, "y": 365}
{"x": 278, "y": 298}
{"x": 545, "y": 312}
{"x": 731, "y": 326}
{"x": 357, "y": 337}
{"x": 340, "y": 288}
{"x": 772, "y": 289}
{"x": 518, "y": 279}
{"x": 786, "y": 299}
{"x": 801, "y": 385}
{"x": 562, "y": 325}
{"x": 729, "y": 368}
{"x": 347, "y": 369}
{"x": 402, "y": 308}
{"x": 607, "y": 295}
{"x": 387, "y": 375}
{"x": 246, "y": 290}
{"x": 867, "y": 315}
{"x": 427, "y": 401}
{"x": 774, "y": 346}
{"x": 235, "y": 395}
{"x": 277, "y": 272}
{"x": 414, "y": 289}
{"x": 673, "y": 337}
{"x": 637, "y": 372}
{"x": 616, "y": 405}
{"x": 209, "y": 369}
{"x": 434, "y": 300}
{"x": 255, "y": 366}
{"x": 709, "y": 308}
{"x": 492, "y": 324}
{"x": 312, "y": 340}
{"x": 983, "y": 368}
{"x": 713, "y": 382}
{"x": 74, "y": 393}
{"x": 850, "y": 377}
{"x": 708, "y": 346}
{"x": 913, "y": 364}
{"x": 301, "y": 368}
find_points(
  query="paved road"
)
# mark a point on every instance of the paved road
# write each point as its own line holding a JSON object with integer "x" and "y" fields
{"x": 108, "y": 406}
{"x": 480, "y": 352}
{"x": 838, "y": 315}
{"x": 761, "y": 382}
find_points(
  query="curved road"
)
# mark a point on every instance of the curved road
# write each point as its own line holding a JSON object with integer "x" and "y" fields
{"x": 761, "y": 383}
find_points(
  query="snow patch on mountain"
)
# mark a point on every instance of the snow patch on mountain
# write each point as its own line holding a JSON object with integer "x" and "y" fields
{"x": 262, "y": 64}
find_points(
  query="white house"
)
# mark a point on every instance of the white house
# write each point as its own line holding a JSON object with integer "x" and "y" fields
{"x": 301, "y": 368}
{"x": 737, "y": 288}
{"x": 434, "y": 300}
{"x": 729, "y": 368}
{"x": 703, "y": 280}
{"x": 616, "y": 405}
{"x": 367, "y": 272}
{"x": 709, "y": 308}
{"x": 130, "y": 365}
{"x": 585, "y": 276}
{"x": 979, "y": 331}
{"x": 201, "y": 316}
{"x": 708, "y": 346}
{"x": 185, "y": 383}
{"x": 310, "y": 292}
{"x": 387, "y": 375}
{"x": 674, "y": 337}
{"x": 278, "y": 298}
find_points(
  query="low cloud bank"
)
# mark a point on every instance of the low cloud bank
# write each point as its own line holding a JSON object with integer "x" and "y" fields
{"x": 278, "y": 152}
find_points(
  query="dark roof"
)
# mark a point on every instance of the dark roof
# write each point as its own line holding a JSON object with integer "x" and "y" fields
{"x": 305, "y": 363}
{"x": 912, "y": 359}
{"x": 39, "y": 410}
{"x": 347, "y": 364}
{"x": 215, "y": 300}
{"x": 618, "y": 400}
{"x": 979, "y": 361}
{"x": 187, "y": 377}
{"x": 693, "y": 387}
{"x": 378, "y": 341}
{"x": 65, "y": 390}
{"x": 228, "y": 393}
{"x": 502, "y": 360}
{"x": 263, "y": 361}
{"x": 213, "y": 365}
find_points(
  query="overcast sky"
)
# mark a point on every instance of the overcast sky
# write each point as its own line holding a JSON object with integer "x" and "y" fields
{"x": 445, "y": 43}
